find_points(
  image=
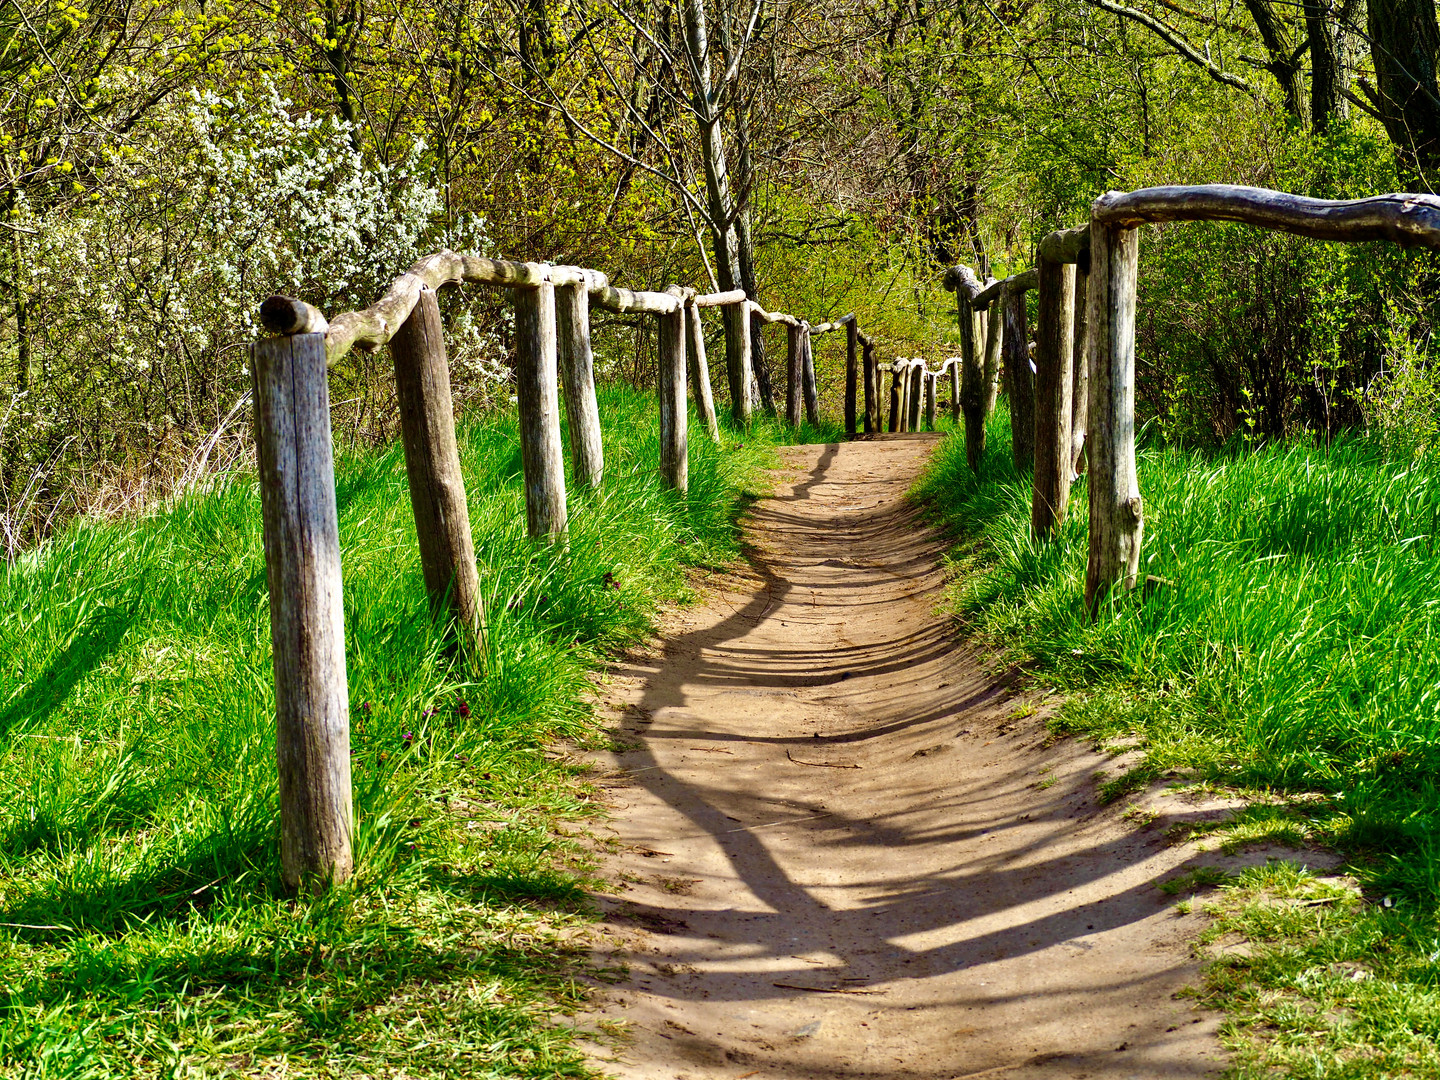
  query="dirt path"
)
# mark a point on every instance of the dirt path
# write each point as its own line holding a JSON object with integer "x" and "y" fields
{"x": 843, "y": 853}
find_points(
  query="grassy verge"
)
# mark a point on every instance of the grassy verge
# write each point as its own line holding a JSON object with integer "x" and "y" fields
{"x": 1294, "y": 654}
{"x": 144, "y": 931}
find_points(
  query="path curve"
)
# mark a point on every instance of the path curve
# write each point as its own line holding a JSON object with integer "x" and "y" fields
{"x": 836, "y": 855}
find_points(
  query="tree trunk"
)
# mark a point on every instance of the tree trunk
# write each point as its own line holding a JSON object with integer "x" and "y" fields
{"x": 1405, "y": 39}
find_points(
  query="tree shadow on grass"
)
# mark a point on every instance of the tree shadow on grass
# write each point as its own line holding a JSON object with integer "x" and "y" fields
{"x": 94, "y": 642}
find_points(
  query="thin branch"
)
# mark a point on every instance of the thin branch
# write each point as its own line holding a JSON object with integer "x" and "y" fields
{"x": 1175, "y": 40}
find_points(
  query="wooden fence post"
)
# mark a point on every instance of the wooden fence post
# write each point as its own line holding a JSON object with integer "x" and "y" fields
{"x": 738, "y": 365}
{"x": 577, "y": 369}
{"x": 812, "y": 394}
{"x": 700, "y": 372}
{"x": 872, "y": 387}
{"x": 897, "y": 398}
{"x": 994, "y": 341}
{"x": 905, "y": 393}
{"x": 852, "y": 375}
{"x": 1080, "y": 373}
{"x": 1020, "y": 382}
{"x": 1116, "y": 518}
{"x": 1053, "y": 356}
{"x": 794, "y": 374}
{"x": 972, "y": 381}
{"x": 307, "y": 618}
{"x": 432, "y": 466}
{"x": 674, "y": 463}
{"x": 535, "y": 375}
{"x": 930, "y": 379}
{"x": 914, "y": 395}
{"x": 955, "y": 393}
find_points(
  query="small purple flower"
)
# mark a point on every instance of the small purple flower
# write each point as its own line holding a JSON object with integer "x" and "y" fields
{"x": 463, "y": 711}
{"x": 408, "y": 736}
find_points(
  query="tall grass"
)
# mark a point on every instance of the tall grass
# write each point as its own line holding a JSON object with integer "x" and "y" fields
{"x": 144, "y": 928}
{"x": 1294, "y": 649}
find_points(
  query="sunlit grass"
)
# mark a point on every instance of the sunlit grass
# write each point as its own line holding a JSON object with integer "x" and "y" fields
{"x": 145, "y": 931}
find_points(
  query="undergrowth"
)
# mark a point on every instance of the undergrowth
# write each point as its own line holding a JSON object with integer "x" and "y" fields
{"x": 1288, "y": 650}
{"x": 143, "y": 929}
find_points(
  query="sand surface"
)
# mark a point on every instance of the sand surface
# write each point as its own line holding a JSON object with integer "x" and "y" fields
{"x": 846, "y": 849}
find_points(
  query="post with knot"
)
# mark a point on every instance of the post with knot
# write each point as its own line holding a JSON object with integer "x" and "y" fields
{"x": 307, "y": 621}
{"x": 794, "y": 373}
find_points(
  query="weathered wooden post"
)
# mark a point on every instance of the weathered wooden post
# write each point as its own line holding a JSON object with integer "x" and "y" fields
{"x": 432, "y": 465}
{"x": 577, "y": 369}
{"x": 915, "y": 394}
{"x": 904, "y": 366}
{"x": 794, "y": 374}
{"x": 1080, "y": 369}
{"x": 738, "y": 365}
{"x": 812, "y": 394}
{"x": 1053, "y": 357}
{"x": 972, "y": 373}
{"x": 897, "y": 397}
{"x": 307, "y": 620}
{"x": 674, "y": 465}
{"x": 852, "y": 375}
{"x": 535, "y": 377}
{"x": 872, "y": 387}
{"x": 1020, "y": 381}
{"x": 1116, "y": 517}
{"x": 700, "y": 371}
{"x": 994, "y": 338}
{"x": 930, "y": 379}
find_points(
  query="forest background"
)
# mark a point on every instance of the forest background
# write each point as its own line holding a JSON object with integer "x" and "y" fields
{"x": 164, "y": 165}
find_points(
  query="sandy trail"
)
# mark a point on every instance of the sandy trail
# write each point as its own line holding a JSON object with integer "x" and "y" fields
{"x": 844, "y": 855}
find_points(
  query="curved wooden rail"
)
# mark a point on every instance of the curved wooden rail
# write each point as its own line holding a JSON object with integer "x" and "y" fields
{"x": 1404, "y": 219}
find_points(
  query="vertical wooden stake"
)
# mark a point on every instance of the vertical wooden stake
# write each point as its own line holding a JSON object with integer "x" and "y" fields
{"x": 994, "y": 338}
{"x": 1020, "y": 382}
{"x": 577, "y": 369}
{"x": 931, "y": 378}
{"x": 872, "y": 388}
{"x": 897, "y": 402}
{"x": 954, "y": 393}
{"x": 674, "y": 463}
{"x": 812, "y": 396}
{"x": 905, "y": 393}
{"x": 794, "y": 375}
{"x": 700, "y": 372}
{"x": 307, "y": 619}
{"x": 432, "y": 466}
{"x": 738, "y": 365}
{"x": 1080, "y": 373}
{"x": 1116, "y": 517}
{"x": 1053, "y": 357}
{"x": 914, "y": 394}
{"x": 852, "y": 375}
{"x": 540, "y": 451}
{"x": 972, "y": 382}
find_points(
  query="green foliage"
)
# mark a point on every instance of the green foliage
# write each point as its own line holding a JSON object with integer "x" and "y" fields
{"x": 144, "y": 928}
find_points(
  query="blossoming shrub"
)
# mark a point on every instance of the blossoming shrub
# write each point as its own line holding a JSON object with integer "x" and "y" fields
{"x": 143, "y": 298}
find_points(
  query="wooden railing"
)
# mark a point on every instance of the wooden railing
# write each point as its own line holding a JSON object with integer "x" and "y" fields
{"x": 553, "y": 350}
{"x": 1084, "y": 363}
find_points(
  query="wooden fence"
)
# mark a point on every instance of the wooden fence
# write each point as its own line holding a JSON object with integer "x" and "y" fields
{"x": 553, "y": 351}
{"x": 1079, "y": 409}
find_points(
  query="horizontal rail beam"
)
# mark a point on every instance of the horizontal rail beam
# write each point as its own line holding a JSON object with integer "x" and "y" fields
{"x": 1407, "y": 219}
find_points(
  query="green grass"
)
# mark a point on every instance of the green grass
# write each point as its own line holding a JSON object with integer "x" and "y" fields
{"x": 1294, "y": 654}
{"x": 145, "y": 930}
